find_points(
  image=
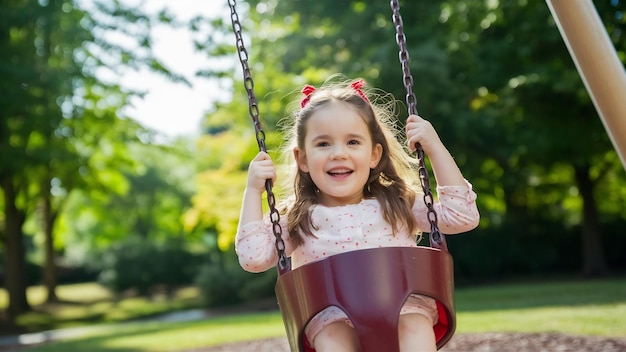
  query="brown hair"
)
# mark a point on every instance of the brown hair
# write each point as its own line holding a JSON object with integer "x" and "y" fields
{"x": 391, "y": 182}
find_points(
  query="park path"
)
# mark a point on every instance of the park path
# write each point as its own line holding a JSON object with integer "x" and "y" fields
{"x": 17, "y": 342}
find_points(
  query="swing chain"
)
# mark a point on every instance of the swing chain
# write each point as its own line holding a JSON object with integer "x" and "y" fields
{"x": 436, "y": 238}
{"x": 284, "y": 264}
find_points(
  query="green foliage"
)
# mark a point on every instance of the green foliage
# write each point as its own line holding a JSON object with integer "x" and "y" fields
{"x": 223, "y": 284}
{"x": 62, "y": 123}
{"x": 150, "y": 204}
{"x": 146, "y": 266}
{"x": 219, "y": 285}
{"x": 532, "y": 249}
{"x": 259, "y": 286}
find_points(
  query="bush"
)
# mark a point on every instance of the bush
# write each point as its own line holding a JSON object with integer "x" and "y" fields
{"x": 259, "y": 286}
{"x": 538, "y": 248}
{"x": 227, "y": 284}
{"x": 144, "y": 266}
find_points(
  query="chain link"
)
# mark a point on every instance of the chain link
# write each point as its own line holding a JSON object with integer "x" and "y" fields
{"x": 437, "y": 240}
{"x": 284, "y": 265}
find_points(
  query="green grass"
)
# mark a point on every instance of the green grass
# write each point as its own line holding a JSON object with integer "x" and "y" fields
{"x": 174, "y": 336}
{"x": 573, "y": 307}
{"x": 90, "y": 303}
{"x": 577, "y": 307}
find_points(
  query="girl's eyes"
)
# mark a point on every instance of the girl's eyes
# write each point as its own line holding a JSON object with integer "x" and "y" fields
{"x": 326, "y": 144}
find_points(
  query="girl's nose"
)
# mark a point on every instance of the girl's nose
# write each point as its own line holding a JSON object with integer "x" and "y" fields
{"x": 338, "y": 153}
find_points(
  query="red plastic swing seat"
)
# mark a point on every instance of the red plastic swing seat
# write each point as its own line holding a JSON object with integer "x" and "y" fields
{"x": 371, "y": 286}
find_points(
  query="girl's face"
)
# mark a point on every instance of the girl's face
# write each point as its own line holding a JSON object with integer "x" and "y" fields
{"x": 338, "y": 154}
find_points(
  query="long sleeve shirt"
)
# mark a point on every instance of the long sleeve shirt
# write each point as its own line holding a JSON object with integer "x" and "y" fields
{"x": 353, "y": 227}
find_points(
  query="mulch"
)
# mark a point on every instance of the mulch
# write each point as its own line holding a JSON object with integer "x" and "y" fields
{"x": 488, "y": 342}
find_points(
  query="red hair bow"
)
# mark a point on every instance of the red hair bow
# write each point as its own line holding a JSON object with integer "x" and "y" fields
{"x": 357, "y": 85}
{"x": 307, "y": 91}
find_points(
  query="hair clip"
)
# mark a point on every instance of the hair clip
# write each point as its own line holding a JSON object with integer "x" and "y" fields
{"x": 357, "y": 85}
{"x": 307, "y": 91}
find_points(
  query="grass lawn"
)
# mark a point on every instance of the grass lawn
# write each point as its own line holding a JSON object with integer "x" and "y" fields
{"x": 90, "y": 303}
{"x": 574, "y": 307}
{"x": 595, "y": 307}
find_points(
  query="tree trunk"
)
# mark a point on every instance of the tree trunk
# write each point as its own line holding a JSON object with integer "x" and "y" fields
{"x": 47, "y": 214}
{"x": 15, "y": 262}
{"x": 594, "y": 262}
{"x": 48, "y": 217}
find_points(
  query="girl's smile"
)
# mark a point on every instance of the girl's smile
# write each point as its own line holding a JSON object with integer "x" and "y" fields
{"x": 340, "y": 172}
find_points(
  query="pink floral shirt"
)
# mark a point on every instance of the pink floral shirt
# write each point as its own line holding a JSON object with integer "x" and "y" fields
{"x": 353, "y": 227}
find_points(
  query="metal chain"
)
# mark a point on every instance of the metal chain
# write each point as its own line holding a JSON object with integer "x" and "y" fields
{"x": 284, "y": 265}
{"x": 437, "y": 240}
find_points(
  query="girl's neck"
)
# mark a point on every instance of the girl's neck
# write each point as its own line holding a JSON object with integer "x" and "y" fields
{"x": 331, "y": 202}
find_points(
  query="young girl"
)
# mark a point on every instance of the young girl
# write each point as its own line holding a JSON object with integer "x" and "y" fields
{"x": 354, "y": 187}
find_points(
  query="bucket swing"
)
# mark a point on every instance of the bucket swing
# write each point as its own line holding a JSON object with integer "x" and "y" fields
{"x": 370, "y": 285}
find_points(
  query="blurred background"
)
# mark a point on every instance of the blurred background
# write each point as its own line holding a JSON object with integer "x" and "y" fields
{"x": 125, "y": 139}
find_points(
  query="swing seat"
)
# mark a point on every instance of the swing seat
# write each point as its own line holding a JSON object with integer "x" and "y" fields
{"x": 371, "y": 286}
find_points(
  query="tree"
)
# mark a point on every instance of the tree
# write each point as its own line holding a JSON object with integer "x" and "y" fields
{"x": 55, "y": 107}
{"x": 529, "y": 91}
{"x": 17, "y": 30}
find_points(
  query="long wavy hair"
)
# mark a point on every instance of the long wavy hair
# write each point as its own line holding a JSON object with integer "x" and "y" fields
{"x": 393, "y": 182}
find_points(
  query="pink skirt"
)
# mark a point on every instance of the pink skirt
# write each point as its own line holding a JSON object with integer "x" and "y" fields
{"x": 418, "y": 304}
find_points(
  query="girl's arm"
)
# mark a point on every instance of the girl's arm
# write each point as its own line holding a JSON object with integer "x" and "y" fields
{"x": 456, "y": 206}
{"x": 261, "y": 168}
{"x": 446, "y": 171}
{"x": 254, "y": 242}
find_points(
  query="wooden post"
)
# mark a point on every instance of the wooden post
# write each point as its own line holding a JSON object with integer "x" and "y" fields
{"x": 597, "y": 63}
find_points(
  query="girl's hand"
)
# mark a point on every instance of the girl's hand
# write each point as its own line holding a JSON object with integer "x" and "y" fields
{"x": 421, "y": 131}
{"x": 261, "y": 169}
{"x": 446, "y": 171}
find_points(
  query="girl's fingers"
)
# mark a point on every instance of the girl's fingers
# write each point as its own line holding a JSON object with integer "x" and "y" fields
{"x": 261, "y": 168}
{"x": 419, "y": 131}
{"x": 413, "y": 131}
{"x": 262, "y": 156}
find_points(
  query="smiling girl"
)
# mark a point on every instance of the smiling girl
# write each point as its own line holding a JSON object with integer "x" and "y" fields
{"x": 354, "y": 187}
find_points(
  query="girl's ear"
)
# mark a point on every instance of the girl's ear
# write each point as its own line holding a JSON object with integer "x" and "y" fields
{"x": 300, "y": 157}
{"x": 377, "y": 153}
